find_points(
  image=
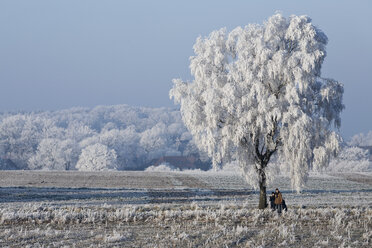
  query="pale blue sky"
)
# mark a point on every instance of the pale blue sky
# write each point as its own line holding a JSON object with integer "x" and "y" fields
{"x": 60, "y": 54}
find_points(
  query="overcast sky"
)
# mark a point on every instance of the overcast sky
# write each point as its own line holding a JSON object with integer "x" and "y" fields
{"x": 60, "y": 54}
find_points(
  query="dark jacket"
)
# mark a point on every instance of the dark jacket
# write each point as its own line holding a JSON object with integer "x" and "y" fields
{"x": 272, "y": 201}
{"x": 284, "y": 205}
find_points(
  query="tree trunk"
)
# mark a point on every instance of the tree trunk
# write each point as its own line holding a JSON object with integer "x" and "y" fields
{"x": 263, "y": 201}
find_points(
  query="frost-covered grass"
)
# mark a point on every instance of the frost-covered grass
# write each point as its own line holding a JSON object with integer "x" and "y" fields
{"x": 180, "y": 209}
{"x": 187, "y": 225}
{"x": 19, "y": 187}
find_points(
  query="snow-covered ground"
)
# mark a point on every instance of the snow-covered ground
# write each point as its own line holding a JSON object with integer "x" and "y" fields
{"x": 179, "y": 209}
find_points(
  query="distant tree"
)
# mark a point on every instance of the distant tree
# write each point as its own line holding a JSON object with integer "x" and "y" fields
{"x": 129, "y": 153}
{"x": 78, "y": 131}
{"x": 361, "y": 139}
{"x": 351, "y": 159}
{"x": 20, "y": 136}
{"x": 97, "y": 157}
{"x": 55, "y": 154}
{"x": 258, "y": 92}
{"x": 156, "y": 142}
{"x": 53, "y": 140}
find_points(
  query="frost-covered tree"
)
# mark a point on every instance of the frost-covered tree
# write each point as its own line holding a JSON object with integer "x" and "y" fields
{"x": 53, "y": 140}
{"x": 361, "y": 139}
{"x": 97, "y": 157}
{"x": 258, "y": 92}
{"x": 54, "y": 154}
{"x": 155, "y": 141}
{"x": 124, "y": 142}
{"x": 351, "y": 159}
{"x": 20, "y": 136}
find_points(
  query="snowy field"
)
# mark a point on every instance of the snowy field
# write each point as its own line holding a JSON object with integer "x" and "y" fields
{"x": 179, "y": 209}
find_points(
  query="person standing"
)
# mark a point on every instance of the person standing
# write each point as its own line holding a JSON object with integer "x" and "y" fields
{"x": 278, "y": 201}
{"x": 272, "y": 201}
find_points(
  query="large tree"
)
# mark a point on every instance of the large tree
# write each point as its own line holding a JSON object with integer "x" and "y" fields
{"x": 257, "y": 93}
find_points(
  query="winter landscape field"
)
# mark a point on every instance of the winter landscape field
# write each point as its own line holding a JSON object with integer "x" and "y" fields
{"x": 179, "y": 209}
{"x": 172, "y": 123}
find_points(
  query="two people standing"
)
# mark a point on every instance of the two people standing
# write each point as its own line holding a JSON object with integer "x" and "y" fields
{"x": 277, "y": 202}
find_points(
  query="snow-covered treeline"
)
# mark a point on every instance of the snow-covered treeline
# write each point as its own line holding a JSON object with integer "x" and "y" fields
{"x": 105, "y": 137}
{"x": 115, "y": 137}
{"x": 351, "y": 159}
{"x": 361, "y": 139}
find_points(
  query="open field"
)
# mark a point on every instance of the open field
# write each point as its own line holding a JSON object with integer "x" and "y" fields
{"x": 179, "y": 209}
